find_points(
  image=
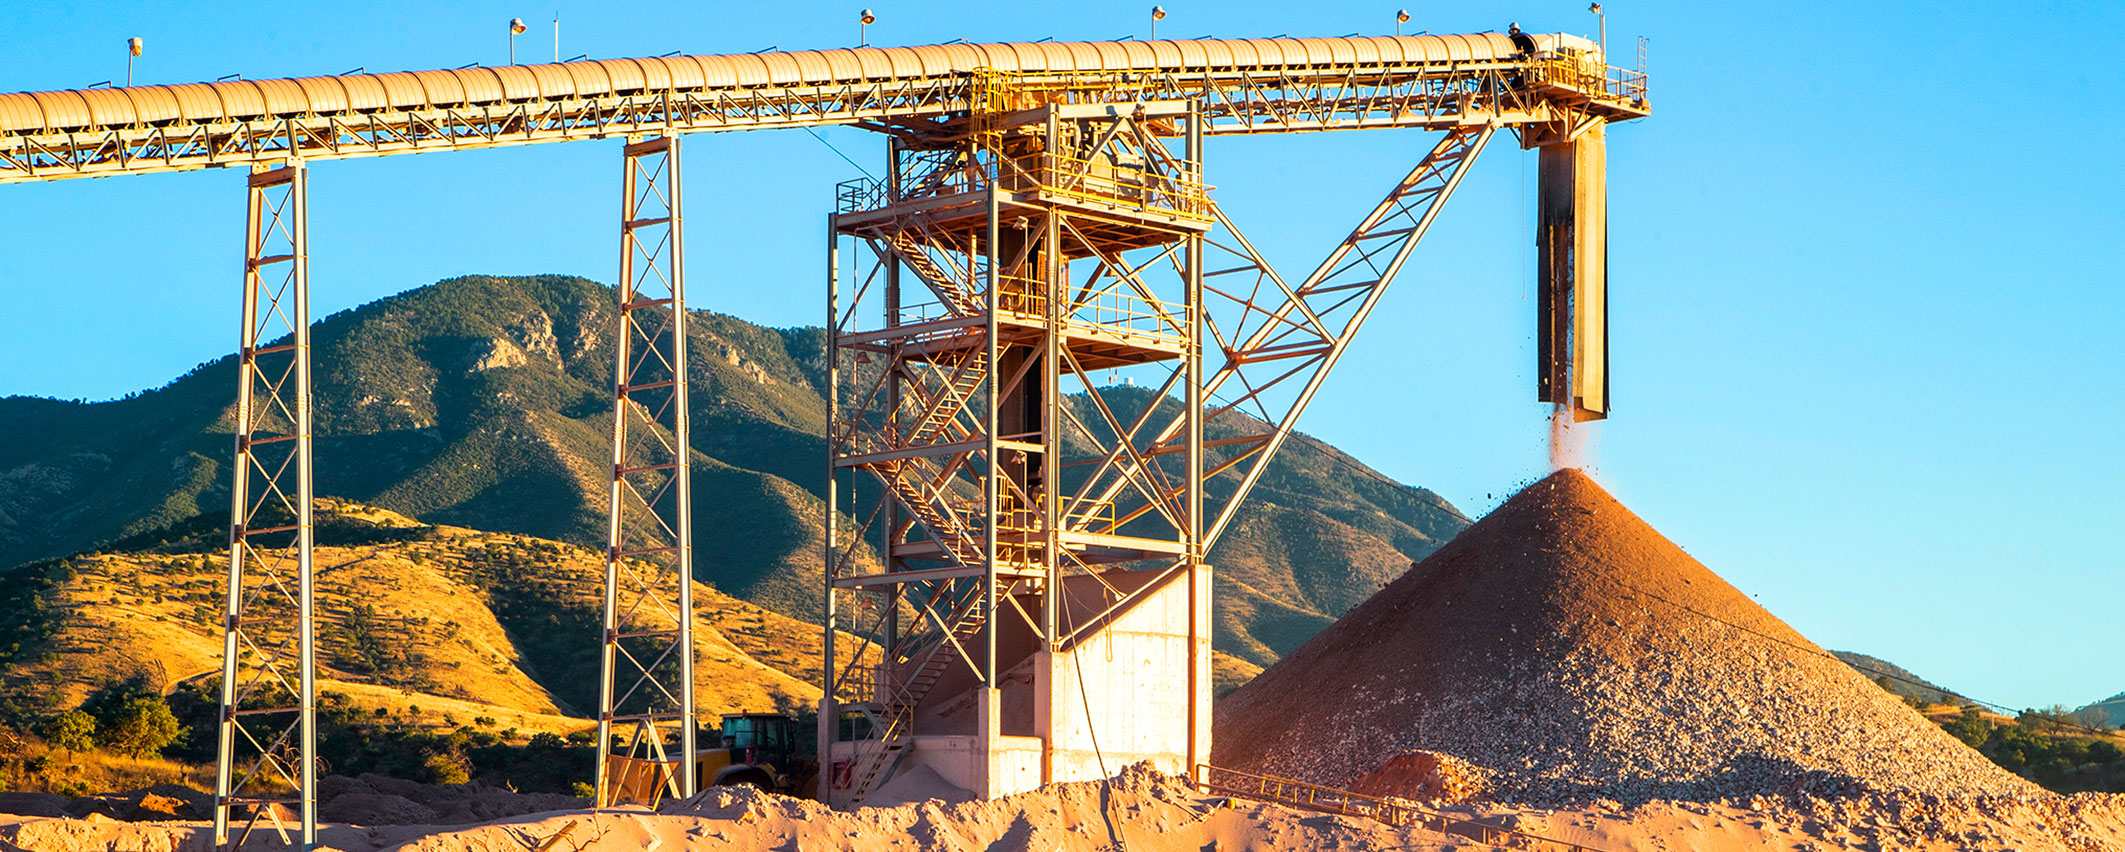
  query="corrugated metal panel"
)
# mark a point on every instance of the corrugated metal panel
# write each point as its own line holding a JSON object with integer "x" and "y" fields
{"x": 625, "y": 75}
{"x": 656, "y": 76}
{"x": 282, "y": 97}
{"x": 365, "y": 92}
{"x": 685, "y": 72}
{"x": 518, "y": 83}
{"x": 811, "y": 66}
{"x": 781, "y": 68}
{"x": 590, "y": 77}
{"x": 1268, "y": 52}
{"x": 197, "y": 102}
{"x": 241, "y": 99}
{"x": 441, "y": 88}
{"x": 209, "y": 102}
{"x": 62, "y": 109}
{"x": 20, "y": 112}
{"x": 481, "y": 84}
{"x": 108, "y": 107}
{"x": 553, "y": 81}
{"x": 322, "y": 94}
{"x": 155, "y": 103}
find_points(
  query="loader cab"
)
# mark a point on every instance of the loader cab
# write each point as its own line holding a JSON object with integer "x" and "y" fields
{"x": 755, "y": 750}
{"x": 755, "y": 738}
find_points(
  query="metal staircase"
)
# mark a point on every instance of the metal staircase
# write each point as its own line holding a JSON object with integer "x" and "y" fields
{"x": 961, "y": 296}
{"x": 952, "y": 397}
{"x": 915, "y": 481}
{"x": 893, "y": 714}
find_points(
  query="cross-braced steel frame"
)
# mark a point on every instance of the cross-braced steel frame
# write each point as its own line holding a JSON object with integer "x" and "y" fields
{"x": 997, "y": 277}
{"x": 268, "y": 725}
{"x": 267, "y": 749}
{"x": 648, "y": 672}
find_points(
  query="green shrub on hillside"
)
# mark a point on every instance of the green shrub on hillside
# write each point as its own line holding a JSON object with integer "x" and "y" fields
{"x": 1970, "y": 727}
{"x": 141, "y": 727}
{"x": 2041, "y": 746}
{"x": 72, "y": 730}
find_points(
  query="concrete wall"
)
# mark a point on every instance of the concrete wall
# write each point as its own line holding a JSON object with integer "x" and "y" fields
{"x": 1009, "y": 765}
{"x": 1132, "y": 674}
{"x": 1123, "y": 694}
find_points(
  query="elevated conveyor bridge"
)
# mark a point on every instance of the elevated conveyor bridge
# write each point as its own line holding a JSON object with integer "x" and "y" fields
{"x": 1045, "y": 214}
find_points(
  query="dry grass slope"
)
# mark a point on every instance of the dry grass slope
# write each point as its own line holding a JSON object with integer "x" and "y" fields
{"x": 457, "y": 622}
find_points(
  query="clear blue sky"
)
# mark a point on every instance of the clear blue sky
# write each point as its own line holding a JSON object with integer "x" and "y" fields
{"x": 1866, "y": 261}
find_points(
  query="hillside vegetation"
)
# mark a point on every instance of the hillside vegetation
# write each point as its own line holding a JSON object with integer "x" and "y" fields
{"x": 432, "y": 624}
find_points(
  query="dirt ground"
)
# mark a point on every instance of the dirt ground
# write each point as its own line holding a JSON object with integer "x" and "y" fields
{"x": 1143, "y": 811}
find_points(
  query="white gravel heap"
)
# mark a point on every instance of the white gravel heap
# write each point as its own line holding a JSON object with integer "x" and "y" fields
{"x": 1570, "y": 649}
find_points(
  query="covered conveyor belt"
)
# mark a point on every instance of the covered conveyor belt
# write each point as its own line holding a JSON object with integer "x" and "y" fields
{"x": 1044, "y": 216}
{"x": 1246, "y": 86}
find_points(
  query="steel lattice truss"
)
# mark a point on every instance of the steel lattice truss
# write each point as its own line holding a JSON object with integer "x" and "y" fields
{"x": 268, "y": 729}
{"x": 648, "y": 680}
{"x": 1342, "y": 96}
{"x": 998, "y": 277}
{"x": 1279, "y": 341}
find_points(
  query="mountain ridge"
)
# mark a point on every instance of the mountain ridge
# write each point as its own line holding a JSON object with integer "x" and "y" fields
{"x": 483, "y": 402}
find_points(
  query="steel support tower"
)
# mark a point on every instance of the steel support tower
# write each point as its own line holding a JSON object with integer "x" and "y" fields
{"x": 647, "y": 688}
{"x": 1006, "y": 271}
{"x": 268, "y": 726}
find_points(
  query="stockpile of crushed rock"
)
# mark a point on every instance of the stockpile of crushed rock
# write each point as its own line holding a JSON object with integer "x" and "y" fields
{"x": 1575, "y": 654}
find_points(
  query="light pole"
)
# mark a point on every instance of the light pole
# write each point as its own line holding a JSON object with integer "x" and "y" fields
{"x": 1596, "y": 9}
{"x": 1158, "y": 13}
{"x": 1401, "y": 17}
{"x": 132, "y": 48}
{"x": 516, "y": 28}
{"x": 863, "y": 30}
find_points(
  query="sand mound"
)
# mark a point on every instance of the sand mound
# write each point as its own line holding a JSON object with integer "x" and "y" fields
{"x": 1143, "y": 811}
{"x": 1568, "y": 647}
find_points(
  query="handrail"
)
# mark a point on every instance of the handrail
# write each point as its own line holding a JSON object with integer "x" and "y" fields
{"x": 1388, "y": 809}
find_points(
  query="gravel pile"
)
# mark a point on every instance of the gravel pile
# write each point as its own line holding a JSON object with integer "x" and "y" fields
{"x": 1567, "y": 647}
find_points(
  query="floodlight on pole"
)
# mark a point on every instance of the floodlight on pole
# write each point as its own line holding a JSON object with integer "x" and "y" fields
{"x": 1158, "y": 13}
{"x": 556, "y": 37}
{"x": 516, "y": 28}
{"x": 133, "y": 47}
{"x": 1596, "y": 9}
{"x": 863, "y": 30}
{"x": 1401, "y": 17}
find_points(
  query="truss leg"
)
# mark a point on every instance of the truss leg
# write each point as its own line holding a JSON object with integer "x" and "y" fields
{"x": 1198, "y": 585}
{"x": 829, "y": 707}
{"x": 648, "y": 674}
{"x": 268, "y": 727}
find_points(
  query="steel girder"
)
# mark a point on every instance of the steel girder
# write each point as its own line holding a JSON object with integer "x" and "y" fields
{"x": 1273, "y": 336}
{"x": 1038, "y": 255}
{"x": 1357, "y": 96}
{"x": 648, "y": 661}
{"x": 1035, "y": 283}
{"x": 267, "y": 754}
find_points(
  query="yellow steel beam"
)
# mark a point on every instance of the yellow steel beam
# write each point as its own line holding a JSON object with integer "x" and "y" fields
{"x": 1244, "y": 86}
